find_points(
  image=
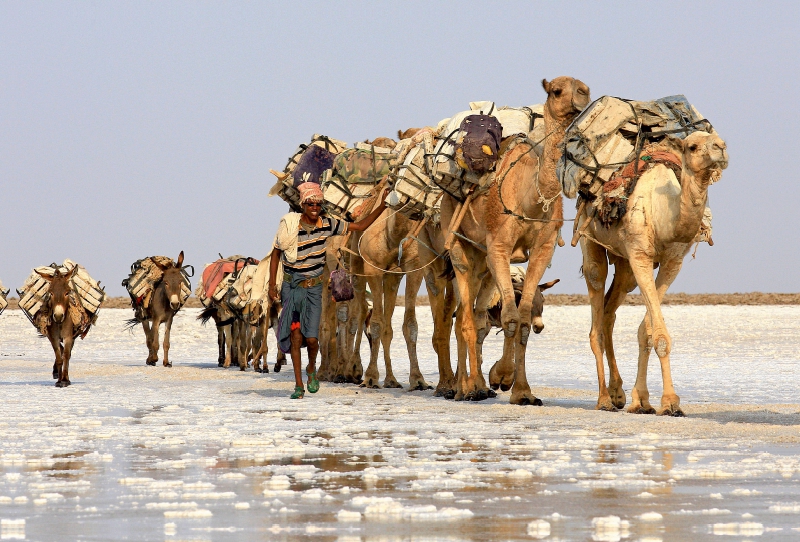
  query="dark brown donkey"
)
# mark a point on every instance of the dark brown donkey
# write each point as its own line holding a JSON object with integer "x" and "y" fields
{"x": 60, "y": 330}
{"x": 166, "y": 302}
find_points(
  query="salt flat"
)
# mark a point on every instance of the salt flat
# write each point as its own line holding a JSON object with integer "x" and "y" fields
{"x": 201, "y": 453}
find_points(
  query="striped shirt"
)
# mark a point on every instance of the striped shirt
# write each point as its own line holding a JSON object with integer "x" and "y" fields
{"x": 311, "y": 247}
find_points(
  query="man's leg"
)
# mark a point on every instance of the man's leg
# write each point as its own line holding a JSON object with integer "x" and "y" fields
{"x": 297, "y": 342}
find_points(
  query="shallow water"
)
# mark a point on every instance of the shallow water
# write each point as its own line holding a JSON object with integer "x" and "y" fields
{"x": 201, "y": 453}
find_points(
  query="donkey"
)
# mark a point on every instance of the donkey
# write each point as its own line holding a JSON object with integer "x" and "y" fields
{"x": 60, "y": 328}
{"x": 165, "y": 303}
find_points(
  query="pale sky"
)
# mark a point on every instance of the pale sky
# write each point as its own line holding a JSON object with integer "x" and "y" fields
{"x": 130, "y": 129}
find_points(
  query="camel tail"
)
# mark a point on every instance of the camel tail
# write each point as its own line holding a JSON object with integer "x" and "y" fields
{"x": 207, "y": 314}
{"x": 130, "y": 324}
{"x": 449, "y": 273}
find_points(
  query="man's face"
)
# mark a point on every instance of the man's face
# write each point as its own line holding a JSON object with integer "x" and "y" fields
{"x": 312, "y": 209}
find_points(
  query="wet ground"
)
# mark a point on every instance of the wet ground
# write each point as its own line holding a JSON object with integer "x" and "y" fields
{"x": 130, "y": 452}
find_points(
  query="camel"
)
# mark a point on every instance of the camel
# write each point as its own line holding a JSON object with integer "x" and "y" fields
{"x": 516, "y": 219}
{"x": 663, "y": 218}
{"x": 379, "y": 248}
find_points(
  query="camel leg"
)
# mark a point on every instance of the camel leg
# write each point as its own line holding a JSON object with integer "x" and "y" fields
{"x": 469, "y": 386}
{"x": 376, "y": 282}
{"x": 443, "y": 302}
{"x": 642, "y": 266}
{"x": 595, "y": 272}
{"x": 357, "y": 312}
{"x": 485, "y": 291}
{"x": 622, "y": 283}
{"x": 344, "y": 340}
{"x": 499, "y": 262}
{"x": 410, "y": 332}
{"x": 391, "y": 283}
{"x": 652, "y": 335}
{"x": 540, "y": 256}
{"x": 327, "y": 334}
{"x": 502, "y": 373}
{"x": 167, "y": 329}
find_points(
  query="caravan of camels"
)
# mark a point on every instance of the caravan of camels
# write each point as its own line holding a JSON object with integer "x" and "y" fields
{"x": 470, "y": 199}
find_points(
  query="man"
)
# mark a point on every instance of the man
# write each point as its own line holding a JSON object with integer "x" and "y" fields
{"x": 300, "y": 246}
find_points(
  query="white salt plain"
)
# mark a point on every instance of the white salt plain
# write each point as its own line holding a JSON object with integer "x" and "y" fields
{"x": 201, "y": 453}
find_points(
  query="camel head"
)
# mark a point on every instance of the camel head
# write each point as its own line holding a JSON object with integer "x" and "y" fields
{"x": 405, "y": 134}
{"x": 385, "y": 142}
{"x": 566, "y": 97}
{"x": 702, "y": 152}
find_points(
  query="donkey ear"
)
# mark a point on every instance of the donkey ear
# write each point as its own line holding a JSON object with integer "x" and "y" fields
{"x": 72, "y": 272}
{"x": 179, "y": 263}
{"x": 45, "y": 277}
{"x": 548, "y": 285}
{"x": 546, "y": 86}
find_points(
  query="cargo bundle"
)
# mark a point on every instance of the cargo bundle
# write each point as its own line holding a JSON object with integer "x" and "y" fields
{"x": 85, "y": 298}
{"x": 468, "y": 144}
{"x": 613, "y": 141}
{"x": 145, "y": 275}
{"x": 414, "y": 193}
{"x": 349, "y": 186}
{"x": 3, "y": 296}
{"x": 218, "y": 277}
{"x": 307, "y": 164}
{"x": 247, "y": 294}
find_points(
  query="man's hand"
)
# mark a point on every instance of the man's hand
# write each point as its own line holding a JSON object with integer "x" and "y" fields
{"x": 386, "y": 194}
{"x": 273, "y": 292}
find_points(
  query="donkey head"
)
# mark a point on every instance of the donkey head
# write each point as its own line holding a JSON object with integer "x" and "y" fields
{"x": 172, "y": 281}
{"x": 57, "y": 299}
{"x": 538, "y": 305}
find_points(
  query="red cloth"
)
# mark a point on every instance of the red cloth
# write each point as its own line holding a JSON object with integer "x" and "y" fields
{"x": 214, "y": 273}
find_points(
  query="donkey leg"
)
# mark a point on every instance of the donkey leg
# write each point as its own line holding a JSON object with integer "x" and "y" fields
{"x": 55, "y": 342}
{"x": 154, "y": 340}
{"x": 167, "y": 329}
{"x": 221, "y": 345}
{"x": 66, "y": 354}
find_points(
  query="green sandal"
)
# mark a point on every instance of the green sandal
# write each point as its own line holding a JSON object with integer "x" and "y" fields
{"x": 299, "y": 392}
{"x": 313, "y": 383}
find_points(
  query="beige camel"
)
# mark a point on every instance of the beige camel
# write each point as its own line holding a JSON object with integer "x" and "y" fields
{"x": 663, "y": 218}
{"x": 379, "y": 250}
{"x": 517, "y": 219}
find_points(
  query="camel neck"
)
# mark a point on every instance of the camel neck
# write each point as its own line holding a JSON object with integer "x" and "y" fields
{"x": 694, "y": 194}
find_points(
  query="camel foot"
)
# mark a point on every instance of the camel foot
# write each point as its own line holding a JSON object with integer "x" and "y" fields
{"x": 168, "y": 364}
{"x": 220, "y": 363}
{"x": 151, "y": 363}
{"x": 525, "y": 399}
{"x": 257, "y": 369}
{"x": 63, "y": 383}
{"x": 605, "y": 404}
{"x": 641, "y": 409}
{"x": 370, "y": 383}
{"x": 617, "y": 395}
{"x": 339, "y": 379}
{"x": 277, "y": 367}
{"x": 503, "y": 381}
{"x": 491, "y": 394}
{"x": 672, "y": 410}
{"x": 392, "y": 383}
{"x": 476, "y": 395}
{"x": 421, "y": 385}
{"x": 242, "y": 367}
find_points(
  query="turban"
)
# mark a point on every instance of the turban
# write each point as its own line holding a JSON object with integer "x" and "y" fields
{"x": 310, "y": 192}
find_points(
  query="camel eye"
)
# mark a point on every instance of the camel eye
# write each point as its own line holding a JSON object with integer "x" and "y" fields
{"x": 693, "y": 147}
{"x": 557, "y": 92}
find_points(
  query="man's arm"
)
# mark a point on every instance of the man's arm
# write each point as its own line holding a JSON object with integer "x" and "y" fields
{"x": 275, "y": 259}
{"x": 362, "y": 225}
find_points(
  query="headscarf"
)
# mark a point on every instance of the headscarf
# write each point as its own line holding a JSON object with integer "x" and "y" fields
{"x": 309, "y": 192}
